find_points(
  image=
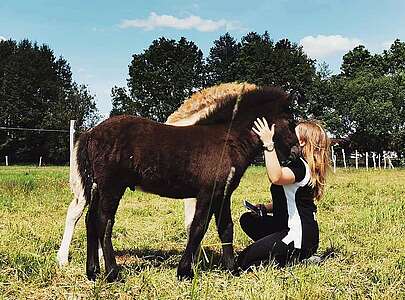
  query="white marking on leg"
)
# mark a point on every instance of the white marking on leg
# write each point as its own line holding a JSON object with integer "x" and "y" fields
{"x": 229, "y": 181}
{"x": 100, "y": 251}
{"x": 74, "y": 213}
{"x": 189, "y": 211}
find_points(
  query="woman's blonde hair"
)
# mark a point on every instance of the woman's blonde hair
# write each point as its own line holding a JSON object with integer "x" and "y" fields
{"x": 315, "y": 152}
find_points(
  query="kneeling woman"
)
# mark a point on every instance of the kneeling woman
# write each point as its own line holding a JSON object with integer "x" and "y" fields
{"x": 292, "y": 233}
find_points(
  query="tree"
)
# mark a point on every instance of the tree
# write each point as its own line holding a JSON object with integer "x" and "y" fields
{"x": 221, "y": 62}
{"x": 284, "y": 63}
{"x": 163, "y": 76}
{"x": 121, "y": 102}
{"x": 254, "y": 63}
{"x": 395, "y": 57}
{"x": 293, "y": 69}
{"x": 37, "y": 91}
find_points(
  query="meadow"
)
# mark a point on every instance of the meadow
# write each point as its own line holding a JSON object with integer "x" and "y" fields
{"x": 361, "y": 217}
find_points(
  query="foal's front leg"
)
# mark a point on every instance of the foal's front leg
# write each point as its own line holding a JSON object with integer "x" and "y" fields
{"x": 198, "y": 228}
{"x": 224, "y": 223}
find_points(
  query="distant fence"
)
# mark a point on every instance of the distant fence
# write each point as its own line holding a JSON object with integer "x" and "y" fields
{"x": 368, "y": 160}
{"x": 71, "y": 132}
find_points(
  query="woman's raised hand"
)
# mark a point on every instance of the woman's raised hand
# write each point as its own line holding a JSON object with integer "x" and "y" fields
{"x": 261, "y": 128}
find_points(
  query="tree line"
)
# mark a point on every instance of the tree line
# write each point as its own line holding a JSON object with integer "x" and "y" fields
{"x": 363, "y": 104}
{"x": 37, "y": 92}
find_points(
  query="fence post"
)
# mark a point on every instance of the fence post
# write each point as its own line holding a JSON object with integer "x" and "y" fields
{"x": 334, "y": 164}
{"x": 333, "y": 160}
{"x": 379, "y": 161}
{"x": 357, "y": 160}
{"x": 375, "y": 167}
{"x": 71, "y": 137}
{"x": 6, "y": 160}
{"x": 344, "y": 158}
{"x": 367, "y": 161}
{"x": 40, "y": 161}
{"x": 385, "y": 161}
{"x": 391, "y": 166}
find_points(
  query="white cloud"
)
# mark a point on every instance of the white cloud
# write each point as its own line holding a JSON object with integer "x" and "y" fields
{"x": 192, "y": 22}
{"x": 2, "y": 38}
{"x": 323, "y": 46}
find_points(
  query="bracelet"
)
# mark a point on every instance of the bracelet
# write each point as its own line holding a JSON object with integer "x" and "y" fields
{"x": 269, "y": 146}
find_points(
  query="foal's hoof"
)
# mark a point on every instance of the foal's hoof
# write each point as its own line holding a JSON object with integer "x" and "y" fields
{"x": 62, "y": 260}
{"x": 91, "y": 276}
{"x": 185, "y": 274}
{"x": 92, "y": 273}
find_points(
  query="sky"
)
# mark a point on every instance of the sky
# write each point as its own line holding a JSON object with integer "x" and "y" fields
{"x": 98, "y": 38}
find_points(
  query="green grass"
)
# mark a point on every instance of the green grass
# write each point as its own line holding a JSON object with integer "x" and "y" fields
{"x": 361, "y": 215}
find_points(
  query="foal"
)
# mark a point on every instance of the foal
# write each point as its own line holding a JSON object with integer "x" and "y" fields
{"x": 127, "y": 151}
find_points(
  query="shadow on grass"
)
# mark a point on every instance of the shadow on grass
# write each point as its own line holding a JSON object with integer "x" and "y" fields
{"x": 137, "y": 260}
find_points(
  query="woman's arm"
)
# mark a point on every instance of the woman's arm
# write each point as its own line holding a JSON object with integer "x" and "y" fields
{"x": 276, "y": 174}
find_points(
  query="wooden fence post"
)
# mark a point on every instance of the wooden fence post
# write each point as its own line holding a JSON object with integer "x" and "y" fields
{"x": 6, "y": 160}
{"x": 40, "y": 161}
{"x": 357, "y": 160}
{"x": 385, "y": 161}
{"x": 374, "y": 164}
{"x": 379, "y": 161}
{"x": 344, "y": 158}
{"x": 391, "y": 166}
{"x": 333, "y": 160}
{"x": 71, "y": 137}
{"x": 367, "y": 161}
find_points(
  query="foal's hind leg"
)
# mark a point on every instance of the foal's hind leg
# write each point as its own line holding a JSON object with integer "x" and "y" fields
{"x": 107, "y": 209}
{"x": 224, "y": 223}
{"x": 73, "y": 215}
{"x": 92, "y": 262}
{"x": 198, "y": 228}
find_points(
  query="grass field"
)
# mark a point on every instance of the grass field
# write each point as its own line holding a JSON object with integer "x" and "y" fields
{"x": 361, "y": 216}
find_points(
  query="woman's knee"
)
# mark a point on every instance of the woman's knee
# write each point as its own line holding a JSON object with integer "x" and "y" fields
{"x": 248, "y": 222}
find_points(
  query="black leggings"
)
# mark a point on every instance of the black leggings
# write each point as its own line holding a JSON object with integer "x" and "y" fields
{"x": 268, "y": 246}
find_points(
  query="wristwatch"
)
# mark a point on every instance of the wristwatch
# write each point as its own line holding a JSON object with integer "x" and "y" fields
{"x": 268, "y": 146}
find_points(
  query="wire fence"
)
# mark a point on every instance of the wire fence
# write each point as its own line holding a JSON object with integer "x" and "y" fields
{"x": 357, "y": 160}
{"x": 7, "y": 161}
{"x": 368, "y": 160}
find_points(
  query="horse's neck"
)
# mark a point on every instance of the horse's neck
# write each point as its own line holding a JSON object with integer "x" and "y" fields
{"x": 249, "y": 143}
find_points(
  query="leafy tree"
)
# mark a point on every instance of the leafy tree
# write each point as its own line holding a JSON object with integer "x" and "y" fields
{"x": 284, "y": 63}
{"x": 121, "y": 101}
{"x": 254, "y": 62}
{"x": 37, "y": 91}
{"x": 395, "y": 57}
{"x": 221, "y": 62}
{"x": 163, "y": 76}
{"x": 293, "y": 69}
{"x": 356, "y": 60}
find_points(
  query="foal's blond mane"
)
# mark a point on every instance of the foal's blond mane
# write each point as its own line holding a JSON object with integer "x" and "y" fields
{"x": 205, "y": 102}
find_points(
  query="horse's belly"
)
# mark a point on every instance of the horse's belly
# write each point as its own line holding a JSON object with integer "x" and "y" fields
{"x": 169, "y": 192}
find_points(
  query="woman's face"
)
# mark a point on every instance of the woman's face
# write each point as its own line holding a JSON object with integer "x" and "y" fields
{"x": 302, "y": 143}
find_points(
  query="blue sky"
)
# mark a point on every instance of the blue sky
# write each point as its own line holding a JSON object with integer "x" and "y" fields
{"x": 98, "y": 38}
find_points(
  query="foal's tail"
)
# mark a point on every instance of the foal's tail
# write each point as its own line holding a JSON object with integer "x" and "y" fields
{"x": 81, "y": 171}
{"x": 81, "y": 183}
